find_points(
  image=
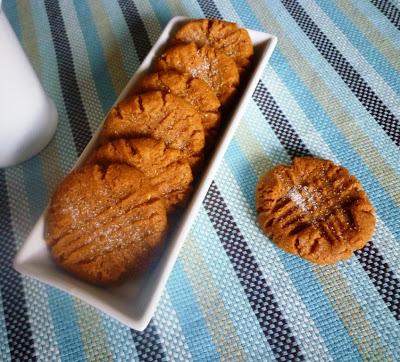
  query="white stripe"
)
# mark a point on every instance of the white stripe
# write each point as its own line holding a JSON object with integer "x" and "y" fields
{"x": 121, "y": 33}
{"x": 169, "y": 330}
{"x": 119, "y": 339}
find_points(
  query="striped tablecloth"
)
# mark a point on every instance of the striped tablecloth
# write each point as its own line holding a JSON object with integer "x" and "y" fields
{"x": 332, "y": 89}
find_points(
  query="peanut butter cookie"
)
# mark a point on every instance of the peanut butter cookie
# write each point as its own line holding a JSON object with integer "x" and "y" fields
{"x": 105, "y": 222}
{"x": 315, "y": 209}
{"x": 223, "y": 35}
{"x": 160, "y": 116}
{"x": 209, "y": 64}
{"x": 193, "y": 90}
{"x": 166, "y": 168}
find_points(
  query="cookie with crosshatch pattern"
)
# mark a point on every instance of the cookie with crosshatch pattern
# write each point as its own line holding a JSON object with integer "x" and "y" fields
{"x": 161, "y": 116}
{"x": 206, "y": 63}
{"x": 166, "y": 168}
{"x": 315, "y": 209}
{"x": 193, "y": 90}
{"x": 219, "y": 34}
{"x": 105, "y": 222}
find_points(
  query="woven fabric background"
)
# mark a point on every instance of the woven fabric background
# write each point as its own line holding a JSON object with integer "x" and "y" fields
{"x": 332, "y": 89}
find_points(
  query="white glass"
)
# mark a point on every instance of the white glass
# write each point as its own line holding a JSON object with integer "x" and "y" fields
{"x": 28, "y": 118}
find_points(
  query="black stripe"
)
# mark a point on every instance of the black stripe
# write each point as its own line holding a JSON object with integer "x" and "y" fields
{"x": 136, "y": 28}
{"x": 370, "y": 259}
{"x": 19, "y": 334}
{"x": 66, "y": 72}
{"x": 209, "y": 9}
{"x": 383, "y": 278}
{"x": 286, "y": 134}
{"x": 148, "y": 344}
{"x": 259, "y": 295}
{"x": 354, "y": 81}
{"x": 389, "y": 10}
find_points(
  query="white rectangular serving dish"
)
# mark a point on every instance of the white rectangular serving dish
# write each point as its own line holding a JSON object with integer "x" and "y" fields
{"x": 133, "y": 303}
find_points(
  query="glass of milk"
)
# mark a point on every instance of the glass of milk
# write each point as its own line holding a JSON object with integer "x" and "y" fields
{"x": 28, "y": 118}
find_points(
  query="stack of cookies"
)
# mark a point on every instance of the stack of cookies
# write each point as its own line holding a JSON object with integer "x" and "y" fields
{"x": 108, "y": 218}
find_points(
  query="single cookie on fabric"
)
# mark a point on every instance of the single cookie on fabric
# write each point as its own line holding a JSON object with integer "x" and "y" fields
{"x": 315, "y": 209}
{"x": 160, "y": 116}
{"x": 105, "y": 222}
{"x": 166, "y": 168}
{"x": 223, "y": 35}
{"x": 193, "y": 90}
{"x": 207, "y": 63}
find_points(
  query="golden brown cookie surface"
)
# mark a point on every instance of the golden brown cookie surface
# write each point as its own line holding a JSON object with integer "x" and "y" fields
{"x": 160, "y": 116}
{"x": 223, "y": 35}
{"x": 209, "y": 64}
{"x": 105, "y": 222}
{"x": 166, "y": 168}
{"x": 193, "y": 90}
{"x": 315, "y": 209}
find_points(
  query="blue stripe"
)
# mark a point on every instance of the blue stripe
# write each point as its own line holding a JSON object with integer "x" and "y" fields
{"x": 356, "y": 37}
{"x": 192, "y": 9}
{"x": 121, "y": 32}
{"x": 35, "y": 186}
{"x": 119, "y": 339}
{"x": 161, "y": 10}
{"x": 65, "y": 325}
{"x": 192, "y": 321}
{"x": 98, "y": 64}
{"x": 10, "y": 9}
